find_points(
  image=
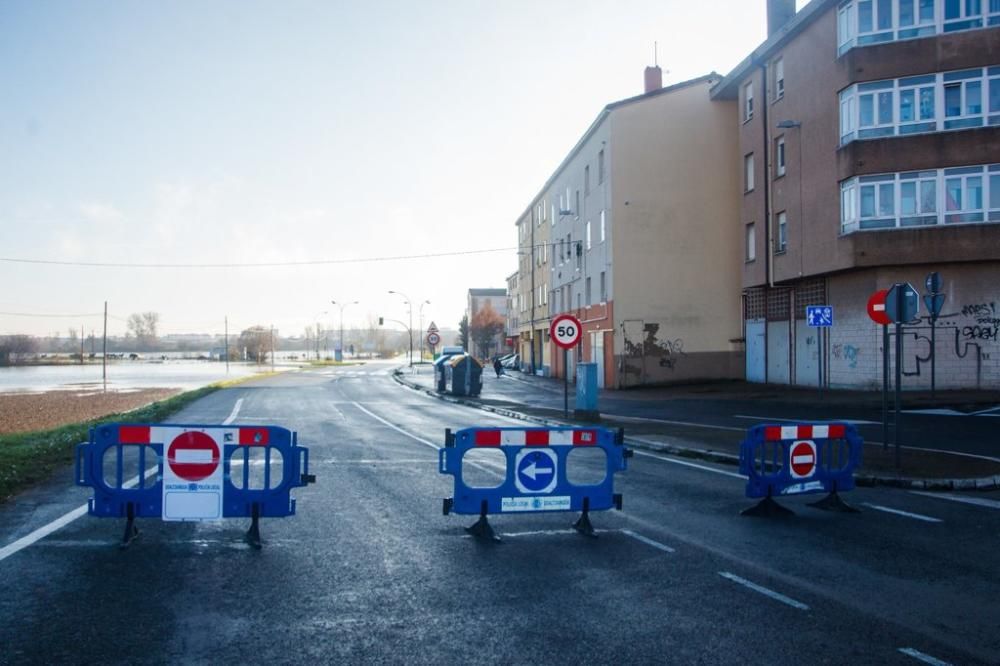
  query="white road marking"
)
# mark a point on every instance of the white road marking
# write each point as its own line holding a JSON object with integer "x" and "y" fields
{"x": 395, "y": 427}
{"x": 935, "y": 412}
{"x": 233, "y": 414}
{"x": 976, "y": 501}
{"x": 768, "y": 418}
{"x": 649, "y": 542}
{"x": 376, "y": 461}
{"x": 926, "y": 658}
{"x": 59, "y": 523}
{"x": 777, "y": 596}
{"x": 916, "y": 516}
{"x": 690, "y": 464}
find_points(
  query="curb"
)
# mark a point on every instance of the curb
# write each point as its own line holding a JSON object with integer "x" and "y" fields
{"x": 868, "y": 480}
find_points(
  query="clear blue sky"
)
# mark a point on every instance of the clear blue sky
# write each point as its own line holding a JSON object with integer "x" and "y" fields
{"x": 231, "y": 132}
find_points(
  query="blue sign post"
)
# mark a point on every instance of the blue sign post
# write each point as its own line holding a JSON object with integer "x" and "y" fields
{"x": 820, "y": 317}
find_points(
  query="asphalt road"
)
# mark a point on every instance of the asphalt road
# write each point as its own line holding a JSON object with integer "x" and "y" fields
{"x": 369, "y": 570}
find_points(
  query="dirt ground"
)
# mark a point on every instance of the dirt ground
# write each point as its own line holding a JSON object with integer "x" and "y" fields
{"x": 23, "y": 412}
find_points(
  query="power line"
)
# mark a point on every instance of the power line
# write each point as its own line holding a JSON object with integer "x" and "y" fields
{"x": 39, "y": 314}
{"x": 265, "y": 264}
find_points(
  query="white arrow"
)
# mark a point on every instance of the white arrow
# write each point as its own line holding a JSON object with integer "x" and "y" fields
{"x": 532, "y": 471}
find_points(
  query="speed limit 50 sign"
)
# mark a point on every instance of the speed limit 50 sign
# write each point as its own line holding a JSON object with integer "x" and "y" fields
{"x": 565, "y": 331}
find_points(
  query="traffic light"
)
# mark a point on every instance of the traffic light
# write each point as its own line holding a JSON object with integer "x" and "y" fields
{"x": 380, "y": 321}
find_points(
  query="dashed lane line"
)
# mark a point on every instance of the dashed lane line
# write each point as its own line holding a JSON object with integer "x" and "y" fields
{"x": 926, "y": 658}
{"x": 233, "y": 414}
{"x": 777, "y": 596}
{"x": 975, "y": 501}
{"x": 649, "y": 542}
{"x": 907, "y": 514}
{"x": 685, "y": 463}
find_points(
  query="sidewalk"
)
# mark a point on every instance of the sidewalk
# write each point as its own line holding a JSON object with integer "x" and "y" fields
{"x": 540, "y": 400}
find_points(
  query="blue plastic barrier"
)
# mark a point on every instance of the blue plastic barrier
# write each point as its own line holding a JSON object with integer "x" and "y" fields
{"x": 197, "y": 481}
{"x": 797, "y": 459}
{"x": 535, "y": 479}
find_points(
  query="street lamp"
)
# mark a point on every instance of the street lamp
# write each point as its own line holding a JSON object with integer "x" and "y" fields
{"x": 316, "y": 319}
{"x": 342, "y": 306}
{"x": 420, "y": 332}
{"x": 409, "y": 329}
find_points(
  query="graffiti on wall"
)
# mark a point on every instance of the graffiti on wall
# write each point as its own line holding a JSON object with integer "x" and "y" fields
{"x": 973, "y": 329}
{"x": 649, "y": 347}
{"x": 848, "y": 353}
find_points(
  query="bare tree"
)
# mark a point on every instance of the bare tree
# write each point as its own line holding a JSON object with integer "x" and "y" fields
{"x": 15, "y": 349}
{"x": 144, "y": 325}
{"x": 256, "y": 340}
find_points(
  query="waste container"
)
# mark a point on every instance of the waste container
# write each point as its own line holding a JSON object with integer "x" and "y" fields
{"x": 586, "y": 392}
{"x": 440, "y": 378}
{"x": 463, "y": 374}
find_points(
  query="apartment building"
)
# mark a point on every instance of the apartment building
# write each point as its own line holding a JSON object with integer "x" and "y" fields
{"x": 513, "y": 313}
{"x": 869, "y": 142}
{"x": 496, "y": 299}
{"x": 533, "y": 286}
{"x": 632, "y": 234}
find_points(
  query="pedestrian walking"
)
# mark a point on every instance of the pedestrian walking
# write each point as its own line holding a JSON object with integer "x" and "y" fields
{"x": 497, "y": 366}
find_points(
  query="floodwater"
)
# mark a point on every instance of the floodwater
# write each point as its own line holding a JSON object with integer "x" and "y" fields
{"x": 123, "y": 375}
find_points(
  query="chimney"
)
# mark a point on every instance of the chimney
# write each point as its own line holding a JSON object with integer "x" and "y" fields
{"x": 654, "y": 78}
{"x": 779, "y": 12}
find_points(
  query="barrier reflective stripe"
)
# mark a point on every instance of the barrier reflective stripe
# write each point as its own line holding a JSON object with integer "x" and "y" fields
{"x": 535, "y": 437}
{"x": 194, "y": 468}
{"x": 801, "y": 458}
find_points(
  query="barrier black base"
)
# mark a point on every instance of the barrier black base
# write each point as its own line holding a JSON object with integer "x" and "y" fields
{"x": 767, "y": 508}
{"x": 832, "y": 502}
{"x": 583, "y": 525}
{"x": 482, "y": 528}
{"x": 131, "y": 531}
{"x": 253, "y": 534}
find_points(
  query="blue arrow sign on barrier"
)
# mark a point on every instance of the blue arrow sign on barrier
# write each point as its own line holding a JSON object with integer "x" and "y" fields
{"x": 536, "y": 470}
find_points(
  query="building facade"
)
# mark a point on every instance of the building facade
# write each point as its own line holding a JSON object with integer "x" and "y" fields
{"x": 631, "y": 237}
{"x": 869, "y": 143}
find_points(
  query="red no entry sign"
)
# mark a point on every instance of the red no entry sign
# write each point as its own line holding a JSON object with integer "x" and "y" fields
{"x": 802, "y": 461}
{"x": 193, "y": 456}
{"x": 876, "y": 307}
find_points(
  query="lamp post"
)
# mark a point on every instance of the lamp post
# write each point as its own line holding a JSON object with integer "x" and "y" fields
{"x": 316, "y": 319}
{"x": 409, "y": 329}
{"x": 420, "y": 326}
{"x": 342, "y": 306}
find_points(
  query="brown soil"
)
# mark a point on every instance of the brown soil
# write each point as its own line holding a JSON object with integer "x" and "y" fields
{"x": 24, "y": 412}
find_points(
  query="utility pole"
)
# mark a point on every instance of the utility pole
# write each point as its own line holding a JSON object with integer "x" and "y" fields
{"x": 104, "y": 354}
{"x": 81, "y": 344}
{"x": 227, "y": 344}
{"x": 272, "y": 347}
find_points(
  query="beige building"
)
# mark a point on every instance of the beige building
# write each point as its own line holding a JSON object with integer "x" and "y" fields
{"x": 636, "y": 234}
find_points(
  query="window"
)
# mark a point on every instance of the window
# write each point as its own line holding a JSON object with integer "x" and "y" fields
{"x": 602, "y": 227}
{"x": 748, "y": 173}
{"x": 779, "y": 157}
{"x": 545, "y": 294}
{"x": 545, "y": 252}
{"x": 751, "y": 242}
{"x": 861, "y": 22}
{"x": 588, "y": 291}
{"x": 748, "y": 101}
{"x": 538, "y": 215}
{"x": 586, "y": 179}
{"x": 779, "y": 78}
{"x": 588, "y": 234}
{"x": 782, "y": 232}
{"x": 957, "y": 195}
{"x": 600, "y": 167}
{"x": 604, "y": 289}
{"x": 552, "y": 218}
{"x": 917, "y": 104}
{"x": 578, "y": 248}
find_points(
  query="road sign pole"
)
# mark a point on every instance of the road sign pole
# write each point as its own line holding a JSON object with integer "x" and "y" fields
{"x": 885, "y": 387}
{"x": 565, "y": 383}
{"x": 819, "y": 364}
{"x": 933, "y": 350}
{"x": 899, "y": 379}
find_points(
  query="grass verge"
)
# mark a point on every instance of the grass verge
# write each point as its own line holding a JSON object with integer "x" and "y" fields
{"x": 29, "y": 457}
